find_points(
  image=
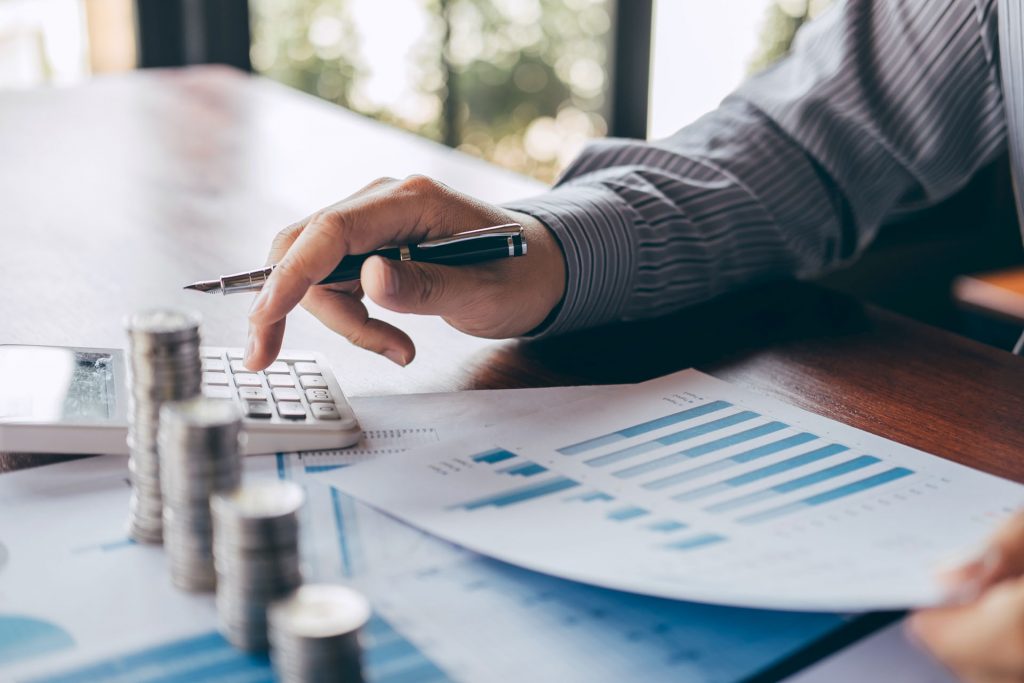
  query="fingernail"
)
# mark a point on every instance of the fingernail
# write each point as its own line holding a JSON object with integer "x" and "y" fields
{"x": 260, "y": 302}
{"x": 396, "y": 357}
{"x": 965, "y": 592}
{"x": 970, "y": 579}
{"x": 390, "y": 281}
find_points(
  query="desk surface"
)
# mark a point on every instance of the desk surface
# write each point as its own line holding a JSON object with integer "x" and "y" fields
{"x": 133, "y": 185}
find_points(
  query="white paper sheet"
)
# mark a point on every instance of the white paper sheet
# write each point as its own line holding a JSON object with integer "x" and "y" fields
{"x": 689, "y": 488}
{"x": 74, "y": 589}
{"x": 442, "y": 612}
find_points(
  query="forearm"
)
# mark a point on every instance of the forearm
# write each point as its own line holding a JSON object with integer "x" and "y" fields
{"x": 885, "y": 106}
{"x": 728, "y": 201}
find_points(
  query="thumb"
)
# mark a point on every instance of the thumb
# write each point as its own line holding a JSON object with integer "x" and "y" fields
{"x": 1002, "y": 558}
{"x": 423, "y": 288}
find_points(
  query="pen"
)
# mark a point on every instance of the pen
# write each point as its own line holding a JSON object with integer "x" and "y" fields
{"x": 472, "y": 246}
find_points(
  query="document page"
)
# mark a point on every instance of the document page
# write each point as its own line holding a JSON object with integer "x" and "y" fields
{"x": 689, "y": 488}
{"x": 78, "y": 601}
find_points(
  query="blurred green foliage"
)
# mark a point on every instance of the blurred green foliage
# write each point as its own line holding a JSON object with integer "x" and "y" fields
{"x": 518, "y": 82}
{"x": 783, "y": 19}
{"x": 522, "y": 83}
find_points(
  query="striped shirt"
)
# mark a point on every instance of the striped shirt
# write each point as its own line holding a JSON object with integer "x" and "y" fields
{"x": 883, "y": 107}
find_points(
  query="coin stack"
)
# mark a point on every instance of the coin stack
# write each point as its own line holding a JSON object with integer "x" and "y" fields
{"x": 314, "y": 634}
{"x": 199, "y": 442}
{"x": 164, "y": 365}
{"x": 256, "y": 555}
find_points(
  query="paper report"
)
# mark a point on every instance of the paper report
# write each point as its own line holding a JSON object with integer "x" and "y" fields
{"x": 687, "y": 487}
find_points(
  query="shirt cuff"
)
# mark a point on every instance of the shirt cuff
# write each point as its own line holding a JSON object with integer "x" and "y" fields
{"x": 594, "y": 226}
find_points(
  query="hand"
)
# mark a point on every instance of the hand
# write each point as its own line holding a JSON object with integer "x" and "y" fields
{"x": 502, "y": 298}
{"x": 982, "y": 640}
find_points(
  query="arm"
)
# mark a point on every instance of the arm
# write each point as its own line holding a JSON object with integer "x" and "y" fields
{"x": 884, "y": 106}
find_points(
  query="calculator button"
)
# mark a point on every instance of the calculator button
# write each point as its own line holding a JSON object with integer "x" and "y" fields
{"x": 276, "y": 368}
{"x": 291, "y": 410}
{"x": 215, "y": 378}
{"x": 210, "y": 354}
{"x": 234, "y": 354}
{"x": 213, "y": 364}
{"x": 247, "y": 379}
{"x": 281, "y": 380}
{"x": 286, "y": 394}
{"x": 307, "y": 368}
{"x": 325, "y": 411}
{"x": 296, "y": 357}
{"x": 313, "y": 382}
{"x": 252, "y": 393}
{"x": 212, "y": 391}
{"x": 318, "y": 396}
{"x": 236, "y": 366}
{"x": 258, "y": 409}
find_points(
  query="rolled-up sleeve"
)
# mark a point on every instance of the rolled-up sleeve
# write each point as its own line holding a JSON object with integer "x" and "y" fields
{"x": 885, "y": 106}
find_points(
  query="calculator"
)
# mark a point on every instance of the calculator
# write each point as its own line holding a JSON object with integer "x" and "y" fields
{"x": 57, "y": 399}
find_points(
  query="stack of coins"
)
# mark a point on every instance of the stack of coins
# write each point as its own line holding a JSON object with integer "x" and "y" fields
{"x": 164, "y": 365}
{"x": 314, "y": 634}
{"x": 256, "y": 555}
{"x": 199, "y": 442}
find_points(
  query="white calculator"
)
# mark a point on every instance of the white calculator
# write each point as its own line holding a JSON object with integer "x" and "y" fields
{"x": 56, "y": 399}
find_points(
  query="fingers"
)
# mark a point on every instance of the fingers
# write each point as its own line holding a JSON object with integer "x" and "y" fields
{"x": 386, "y": 212}
{"x": 261, "y": 349}
{"x": 425, "y": 288}
{"x": 345, "y": 314}
{"x": 981, "y": 641}
{"x": 1002, "y": 558}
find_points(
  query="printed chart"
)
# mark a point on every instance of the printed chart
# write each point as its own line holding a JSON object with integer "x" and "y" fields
{"x": 686, "y": 487}
{"x": 434, "y": 603}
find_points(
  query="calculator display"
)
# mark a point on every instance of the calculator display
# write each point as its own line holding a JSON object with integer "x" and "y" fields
{"x": 48, "y": 384}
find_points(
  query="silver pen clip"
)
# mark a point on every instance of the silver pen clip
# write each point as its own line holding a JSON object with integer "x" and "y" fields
{"x": 507, "y": 230}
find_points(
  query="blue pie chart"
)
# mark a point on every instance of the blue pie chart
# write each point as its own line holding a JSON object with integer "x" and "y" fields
{"x": 24, "y": 637}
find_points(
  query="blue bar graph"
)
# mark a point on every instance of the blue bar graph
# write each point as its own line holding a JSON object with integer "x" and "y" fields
{"x": 697, "y": 451}
{"x": 696, "y": 542}
{"x": 746, "y": 456}
{"x": 666, "y": 526}
{"x": 314, "y": 469}
{"x": 671, "y": 439}
{"x": 519, "y": 495}
{"x": 591, "y": 496}
{"x": 494, "y": 456}
{"x": 526, "y": 469}
{"x": 795, "y": 484}
{"x": 643, "y": 428}
{"x": 829, "y": 496}
{"x": 762, "y": 473}
{"x": 627, "y": 513}
{"x": 388, "y": 658}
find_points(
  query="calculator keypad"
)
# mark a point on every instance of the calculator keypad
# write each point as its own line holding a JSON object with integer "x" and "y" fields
{"x": 293, "y": 387}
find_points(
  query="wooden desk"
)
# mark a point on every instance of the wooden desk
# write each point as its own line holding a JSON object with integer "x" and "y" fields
{"x": 118, "y": 192}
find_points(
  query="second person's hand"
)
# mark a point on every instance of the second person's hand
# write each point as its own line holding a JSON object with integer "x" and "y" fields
{"x": 503, "y": 298}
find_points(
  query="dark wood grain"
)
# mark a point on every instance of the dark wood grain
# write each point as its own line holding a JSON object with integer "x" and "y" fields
{"x": 117, "y": 193}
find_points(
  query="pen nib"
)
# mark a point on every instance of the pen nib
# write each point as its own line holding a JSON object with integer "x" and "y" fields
{"x": 205, "y": 286}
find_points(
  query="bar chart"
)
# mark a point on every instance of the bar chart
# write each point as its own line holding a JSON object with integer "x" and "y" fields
{"x": 389, "y": 658}
{"x": 690, "y": 488}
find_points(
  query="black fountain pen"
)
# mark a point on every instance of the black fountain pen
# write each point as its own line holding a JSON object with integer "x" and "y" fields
{"x": 472, "y": 246}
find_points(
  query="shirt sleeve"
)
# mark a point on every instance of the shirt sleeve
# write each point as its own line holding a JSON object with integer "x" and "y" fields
{"x": 883, "y": 107}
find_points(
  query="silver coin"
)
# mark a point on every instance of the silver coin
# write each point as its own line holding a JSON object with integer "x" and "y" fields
{"x": 317, "y": 611}
{"x": 258, "y": 502}
{"x": 162, "y": 323}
